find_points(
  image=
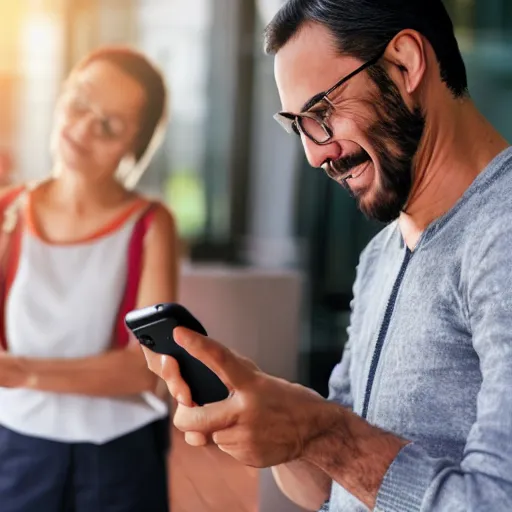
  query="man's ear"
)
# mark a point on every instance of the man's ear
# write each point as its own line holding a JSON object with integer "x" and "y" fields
{"x": 407, "y": 51}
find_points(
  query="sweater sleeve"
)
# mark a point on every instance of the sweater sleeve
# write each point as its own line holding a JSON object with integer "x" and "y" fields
{"x": 483, "y": 480}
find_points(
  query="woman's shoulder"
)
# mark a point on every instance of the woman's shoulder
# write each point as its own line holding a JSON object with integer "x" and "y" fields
{"x": 159, "y": 217}
{"x": 9, "y": 193}
{"x": 159, "y": 212}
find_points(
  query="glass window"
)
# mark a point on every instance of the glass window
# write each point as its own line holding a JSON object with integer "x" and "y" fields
{"x": 178, "y": 42}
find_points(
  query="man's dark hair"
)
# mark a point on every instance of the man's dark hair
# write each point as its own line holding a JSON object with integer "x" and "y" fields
{"x": 364, "y": 27}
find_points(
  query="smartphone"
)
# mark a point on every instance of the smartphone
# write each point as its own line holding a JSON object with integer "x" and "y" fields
{"x": 153, "y": 327}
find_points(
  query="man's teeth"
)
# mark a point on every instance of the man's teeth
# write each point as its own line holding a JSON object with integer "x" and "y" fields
{"x": 353, "y": 176}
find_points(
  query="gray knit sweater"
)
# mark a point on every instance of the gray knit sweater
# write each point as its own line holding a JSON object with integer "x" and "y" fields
{"x": 429, "y": 355}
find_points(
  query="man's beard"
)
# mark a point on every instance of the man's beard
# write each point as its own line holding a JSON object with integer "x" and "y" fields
{"x": 395, "y": 138}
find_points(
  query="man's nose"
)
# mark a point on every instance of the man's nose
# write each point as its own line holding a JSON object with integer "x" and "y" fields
{"x": 318, "y": 154}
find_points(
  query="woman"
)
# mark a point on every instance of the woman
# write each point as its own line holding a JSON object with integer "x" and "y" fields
{"x": 81, "y": 426}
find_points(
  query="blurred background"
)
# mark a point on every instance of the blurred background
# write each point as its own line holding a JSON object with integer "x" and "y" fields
{"x": 270, "y": 245}
{"x": 262, "y": 232}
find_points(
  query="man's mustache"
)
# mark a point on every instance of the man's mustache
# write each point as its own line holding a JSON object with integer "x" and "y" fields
{"x": 341, "y": 168}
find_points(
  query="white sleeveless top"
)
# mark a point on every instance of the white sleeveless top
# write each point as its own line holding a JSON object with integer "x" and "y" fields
{"x": 64, "y": 303}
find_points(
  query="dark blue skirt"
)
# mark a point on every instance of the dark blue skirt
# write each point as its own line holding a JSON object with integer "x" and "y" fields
{"x": 128, "y": 474}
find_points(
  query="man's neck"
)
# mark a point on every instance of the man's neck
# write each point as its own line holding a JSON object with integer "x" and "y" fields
{"x": 456, "y": 147}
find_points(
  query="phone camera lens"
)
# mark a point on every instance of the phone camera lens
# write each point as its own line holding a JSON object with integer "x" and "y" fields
{"x": 146, "y": 340}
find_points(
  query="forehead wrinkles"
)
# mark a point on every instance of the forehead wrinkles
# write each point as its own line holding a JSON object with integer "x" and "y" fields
{"x": 307, "y": 65}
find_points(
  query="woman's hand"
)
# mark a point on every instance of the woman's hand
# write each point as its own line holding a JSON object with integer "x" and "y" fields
{"x": 13, "y": 371}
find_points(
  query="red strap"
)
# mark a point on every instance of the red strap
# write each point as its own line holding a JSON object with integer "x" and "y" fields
{"x": 9, "y": 254}
{"x": 10, "y": 196}
{"x": 134, "y": 273}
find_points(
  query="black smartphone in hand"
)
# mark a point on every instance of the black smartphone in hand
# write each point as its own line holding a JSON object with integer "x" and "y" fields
{"x": 153, "y": 327}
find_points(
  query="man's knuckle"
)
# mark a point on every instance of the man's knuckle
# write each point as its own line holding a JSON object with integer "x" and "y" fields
{"x": 220, "y": 355}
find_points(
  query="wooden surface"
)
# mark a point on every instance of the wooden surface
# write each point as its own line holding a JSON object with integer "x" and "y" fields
{"x": 208, "y": 480}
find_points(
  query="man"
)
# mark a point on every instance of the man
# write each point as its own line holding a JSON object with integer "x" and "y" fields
{"x": 419, "y": 416}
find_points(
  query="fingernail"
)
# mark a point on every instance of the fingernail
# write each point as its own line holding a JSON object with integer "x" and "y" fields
{"x": 176, "y": 335}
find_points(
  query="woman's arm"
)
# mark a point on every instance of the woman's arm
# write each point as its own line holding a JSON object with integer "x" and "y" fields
{"x": 114, "y": 373}
{"x": 117, "y": 372}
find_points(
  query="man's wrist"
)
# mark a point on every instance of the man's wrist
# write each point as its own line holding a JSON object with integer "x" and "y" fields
{"x": 329, "y": 426}
{"x": 352, "y": 452}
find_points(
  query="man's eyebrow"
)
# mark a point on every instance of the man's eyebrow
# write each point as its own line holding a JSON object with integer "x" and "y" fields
{"x": 321, "y": 95}
{"x": 313, "y": 101}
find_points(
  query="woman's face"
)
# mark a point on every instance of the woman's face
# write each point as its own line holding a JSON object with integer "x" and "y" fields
{"x": 97, "y": 120}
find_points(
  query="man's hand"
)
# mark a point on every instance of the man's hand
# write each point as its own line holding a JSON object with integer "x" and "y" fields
{"x": 13, "y": 371}
{"x": 264, "y": 422}
{"x": 268, "y": 422}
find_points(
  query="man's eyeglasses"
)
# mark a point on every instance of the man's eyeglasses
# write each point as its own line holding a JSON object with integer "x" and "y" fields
{"x": 312, "y": 121}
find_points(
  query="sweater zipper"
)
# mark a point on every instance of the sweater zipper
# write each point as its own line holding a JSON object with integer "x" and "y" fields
{"x": 383, "y": 331}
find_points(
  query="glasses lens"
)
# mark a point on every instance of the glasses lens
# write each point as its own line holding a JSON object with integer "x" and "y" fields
{"x": 314, "y": 129}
